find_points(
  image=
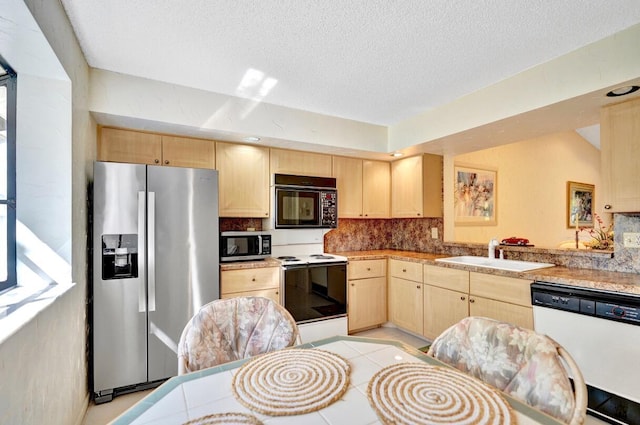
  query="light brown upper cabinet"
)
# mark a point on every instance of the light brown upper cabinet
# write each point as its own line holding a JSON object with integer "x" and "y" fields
{"x": 300, "y": 163}
{"x": 620, "y": 153}
{"x": 138, "y": 147}
{"x": 416, "y": 187}
{"x": 363, "y": 187}
{"x": 243, "y": 173}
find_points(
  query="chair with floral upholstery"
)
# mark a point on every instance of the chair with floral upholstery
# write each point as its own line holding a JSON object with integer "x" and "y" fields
{"x": 526, "y": 365}
{"x": 232, "y": 329}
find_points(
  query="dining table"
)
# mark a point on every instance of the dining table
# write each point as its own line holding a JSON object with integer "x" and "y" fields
{"x": 338, "y": 380}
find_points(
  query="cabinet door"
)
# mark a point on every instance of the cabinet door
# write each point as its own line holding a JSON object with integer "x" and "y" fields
{"x": 406, "y": 187}
{"x": 188, "y": 152}
{"x": 348, "y": 174}
{"x": 376, "y": 189}
{"x": 442, "y": 309}
{"x": 620, "y": 153}
{"x": 301, "y": 163}
{"x": 367, "y": 301}
{"x": 243, "y": 180}
{"x": 406, "y": 304}
{"x": 117, "y": 145}
{"x": 505, "y": 312}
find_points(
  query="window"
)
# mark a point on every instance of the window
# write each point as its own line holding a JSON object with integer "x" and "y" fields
{"x": 7, "y": 176}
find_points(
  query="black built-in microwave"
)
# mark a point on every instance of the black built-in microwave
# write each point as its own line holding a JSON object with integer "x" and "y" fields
{"x": 305, "y": 202}
{"x": 244, "y": 245}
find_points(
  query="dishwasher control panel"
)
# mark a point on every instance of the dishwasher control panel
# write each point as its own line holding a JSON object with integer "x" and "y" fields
{"x": 605, "y": 305}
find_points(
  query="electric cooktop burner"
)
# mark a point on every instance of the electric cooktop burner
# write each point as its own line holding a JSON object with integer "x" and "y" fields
{"x": 287, "y": 258}
{"x": 321, "y": 256}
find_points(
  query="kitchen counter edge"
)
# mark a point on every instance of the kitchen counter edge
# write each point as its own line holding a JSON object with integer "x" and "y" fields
{"x": 628, "y": 283}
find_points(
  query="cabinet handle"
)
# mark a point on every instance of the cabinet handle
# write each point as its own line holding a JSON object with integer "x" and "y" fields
{"x": 463, "y": 298}
{"x": 607, "y": 207}
{"x": 277, "y": 293}
{"x": 166, "y": 162}
{"x": 404, "y": 270}
{"x": 157, "y": 161}
{"x": 353, "y": 284}
{"x": 253, "y": 279}
{"x": 418, "y": 214}
{"x": 418, "y": 286}
{"x": 368, "y": 269}
{"x": 471, "y": 300}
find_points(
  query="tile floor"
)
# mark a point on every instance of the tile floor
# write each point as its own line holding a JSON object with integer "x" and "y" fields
{"x": 104, "y": 413}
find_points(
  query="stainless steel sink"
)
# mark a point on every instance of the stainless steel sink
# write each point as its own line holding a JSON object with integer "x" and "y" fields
{"x": 490, "y": 263}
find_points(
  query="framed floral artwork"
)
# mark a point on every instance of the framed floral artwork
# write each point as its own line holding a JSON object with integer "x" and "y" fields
{"x": 580, "y": 203}
{"x": 475, "y": 199}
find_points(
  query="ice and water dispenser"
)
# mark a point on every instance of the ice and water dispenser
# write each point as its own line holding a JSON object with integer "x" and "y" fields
{"x": 119, "y": 256}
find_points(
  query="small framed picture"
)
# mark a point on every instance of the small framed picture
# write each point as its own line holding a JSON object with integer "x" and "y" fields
{"x": 580, "y": 203}
{"x": 475, "y": 193}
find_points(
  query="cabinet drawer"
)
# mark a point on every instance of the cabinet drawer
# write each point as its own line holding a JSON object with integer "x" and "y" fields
{"x": 363, "y": 269}
{"x": 232, "y": 281}
{"x": 443, "y": 277}
{"x": 271, "y": 293}
{"x": 501, "y": 288}
{"x": 406, "y": 270}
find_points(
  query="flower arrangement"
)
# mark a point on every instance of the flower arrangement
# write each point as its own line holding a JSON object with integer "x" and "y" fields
{"x": 602, "y": 236}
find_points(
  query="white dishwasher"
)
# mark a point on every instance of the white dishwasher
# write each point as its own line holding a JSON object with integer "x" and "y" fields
{"x": 601, "y": 331}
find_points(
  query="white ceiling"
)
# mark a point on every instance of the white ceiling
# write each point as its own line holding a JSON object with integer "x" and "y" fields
{"x": 375, "y": 61}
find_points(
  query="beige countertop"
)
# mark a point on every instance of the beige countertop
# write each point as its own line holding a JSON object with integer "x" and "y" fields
{"x": 587, "y": 278}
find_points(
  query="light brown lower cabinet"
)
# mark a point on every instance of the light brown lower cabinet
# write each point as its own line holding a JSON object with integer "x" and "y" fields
{"x": 446, "y": 298}
{"x": 259, "y": 282}
{"x": 405, "y": 295}
{"x": 367, "y": 293}
{"x": 502, "y": 298}
{"x": 500, "y": 310}
{"x": 405, "y": 304}
{"x": 453, "y": 294}
{"x": 367, "y": 303}
{"x": 442, "y": 308}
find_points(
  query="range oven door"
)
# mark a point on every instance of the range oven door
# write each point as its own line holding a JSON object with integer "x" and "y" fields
{"x": 316, "y": 291}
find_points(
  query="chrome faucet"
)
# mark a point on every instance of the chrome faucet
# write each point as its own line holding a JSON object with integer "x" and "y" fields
{"x": 493, "y": 243}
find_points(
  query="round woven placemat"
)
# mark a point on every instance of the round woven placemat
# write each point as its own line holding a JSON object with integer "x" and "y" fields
{"x": 231, "y": 418}
{"x": 417, "y": 393}
{"x": 291, "y": 381}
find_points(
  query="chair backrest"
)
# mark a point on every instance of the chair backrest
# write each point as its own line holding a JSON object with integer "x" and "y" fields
{"x": 528, "y": 366}
{"x": 232, "y": 329}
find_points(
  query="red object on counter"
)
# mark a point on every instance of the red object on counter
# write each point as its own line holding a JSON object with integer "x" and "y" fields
{"x": 515, "y": 241}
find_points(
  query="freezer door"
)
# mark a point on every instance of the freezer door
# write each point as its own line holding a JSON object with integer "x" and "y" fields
{"x": 119, "y": 325}
{"x": 183, "y": 257}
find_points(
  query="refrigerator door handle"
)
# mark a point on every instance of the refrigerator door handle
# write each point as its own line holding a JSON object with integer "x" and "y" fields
{"x": 151, "y": 251}
{"x": 141, "y": 237}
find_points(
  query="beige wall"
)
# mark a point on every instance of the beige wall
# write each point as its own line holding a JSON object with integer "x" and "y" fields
{"x": 531, "y": 193}
{"x": 43, "y": 365}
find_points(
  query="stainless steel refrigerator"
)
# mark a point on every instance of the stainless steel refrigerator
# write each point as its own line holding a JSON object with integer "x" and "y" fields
{"x": 155, "y": 263}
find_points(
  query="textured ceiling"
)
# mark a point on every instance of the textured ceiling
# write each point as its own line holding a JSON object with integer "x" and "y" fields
{"x": 375, "y": 61}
